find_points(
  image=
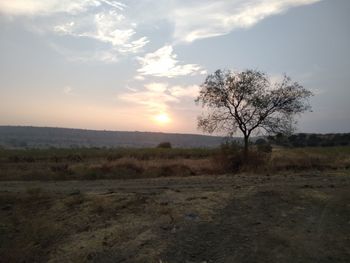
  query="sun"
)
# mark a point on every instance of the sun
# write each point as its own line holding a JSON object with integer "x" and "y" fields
{"x": 162, "y": 118}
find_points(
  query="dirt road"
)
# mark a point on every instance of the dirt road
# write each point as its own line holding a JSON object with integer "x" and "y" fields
{"x": 313, "y": 179}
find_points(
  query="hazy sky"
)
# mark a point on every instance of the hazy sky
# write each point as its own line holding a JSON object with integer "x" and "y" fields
{"x": 137, "y": 64}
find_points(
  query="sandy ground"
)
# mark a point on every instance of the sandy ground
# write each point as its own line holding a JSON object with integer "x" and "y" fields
{"x": 302, "y": 217}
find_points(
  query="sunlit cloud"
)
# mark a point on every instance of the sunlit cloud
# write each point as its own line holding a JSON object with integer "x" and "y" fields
{"x": 216, "y": 18}
{"x": 188, "y": 91}
{"x": 159, "y": 99}
{"x": 163, "y": 63}
{"x": 109, "y": 27}
{"x": 100, "y": 20}
{"x": 154, "y": 96}
{"x": 35, "y": 7}
{"x": 48, "y": 7}
{"x": 118, "y": 25}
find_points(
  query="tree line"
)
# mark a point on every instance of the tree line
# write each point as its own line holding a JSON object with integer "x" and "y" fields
{"x": 311, "y": 140}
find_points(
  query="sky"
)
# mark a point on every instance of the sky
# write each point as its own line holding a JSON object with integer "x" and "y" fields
{"x": 137, "y": 65}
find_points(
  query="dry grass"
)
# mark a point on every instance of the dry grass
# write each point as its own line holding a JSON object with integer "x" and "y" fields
{"x": 44, "y": 227}
{"x": 281, "y": 159}
{"x": 309, "y": 159}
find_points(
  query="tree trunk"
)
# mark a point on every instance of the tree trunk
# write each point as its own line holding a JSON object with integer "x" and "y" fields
{"x": 246, "y": 145}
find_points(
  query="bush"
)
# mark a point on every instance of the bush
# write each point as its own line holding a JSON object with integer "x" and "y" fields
{"x": 164, "y": 145}
{"x": 264, "y": 148}
{"x": 231, "y": 158}
{"x": 230, "y": 147}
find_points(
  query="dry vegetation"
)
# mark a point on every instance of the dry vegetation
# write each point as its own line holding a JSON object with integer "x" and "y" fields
{"x": 39, "y": 226}
{"x": 291, "y": 205}
{"x": 93, "y": 164}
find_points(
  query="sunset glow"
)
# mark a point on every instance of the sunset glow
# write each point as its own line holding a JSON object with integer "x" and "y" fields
{"x": 139, "y": 65}
{"x": 162, "y": 118}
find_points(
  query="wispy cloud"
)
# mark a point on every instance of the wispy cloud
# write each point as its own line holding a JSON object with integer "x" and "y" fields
{"x": 47, "y": 7}
{"x": 117, "y": 25}
{"x": 163, "y": 63}
{"x": 67, "y": 90}
{"x": 191, "y": 91}
{"x": 215, "y": 18}
{"x": 110, "y": 27}
{"x": 105, "y": 56}
{"x": 100, "y": 20}
{"x": 157, "y": 97}
{"x": 154, "y": 97}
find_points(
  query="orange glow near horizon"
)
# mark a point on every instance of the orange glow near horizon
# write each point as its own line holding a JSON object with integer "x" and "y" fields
{"x": 162, "y": 119}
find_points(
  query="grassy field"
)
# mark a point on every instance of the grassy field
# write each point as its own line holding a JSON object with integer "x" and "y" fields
{"x": 174, "y": 205}
{"x": 93, "y": 164}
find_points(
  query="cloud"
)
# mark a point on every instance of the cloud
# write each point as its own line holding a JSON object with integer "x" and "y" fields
{"x": 157, "y": 97}
{"x": 107, "y": 56}
{"x": 189, "y": 91}
{"x": 154, "y": 97}
{"x": 101, "y": 20}
{"x": 163, "y": 63}
{"x": 67, "y": 90}
{"x": 109, "y": 27}
{"x": 117, "y": 26}
{"x": 47, "y": 7}
{"x": 215, "y": 18}
{"x": 192, "y": 20}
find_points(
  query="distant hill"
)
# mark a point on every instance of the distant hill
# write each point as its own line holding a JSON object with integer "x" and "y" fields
{"x": 42, "y": 137}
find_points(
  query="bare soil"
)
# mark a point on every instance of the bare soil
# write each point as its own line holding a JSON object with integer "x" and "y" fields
{"x": 302, "y": 217}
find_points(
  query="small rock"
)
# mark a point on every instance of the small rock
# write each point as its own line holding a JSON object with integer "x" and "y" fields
{"x": 173, "y": 230}
{"x": 191, "y": 216}
{"x": 74, "y": 192}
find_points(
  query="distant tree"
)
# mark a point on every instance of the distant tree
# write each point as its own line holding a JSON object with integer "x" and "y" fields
{"x": 166, "y": 145}
{"x": 247, "y": 101}
{"x": 260, "y": 141}
{"x": 313, "y": 140}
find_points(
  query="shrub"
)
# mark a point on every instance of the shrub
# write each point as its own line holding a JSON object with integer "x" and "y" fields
{"x": 229, "y": 147}
{"x": 164, "y": 145}
{"x": 231, "y": 158}
{"x": 264, "y": 148}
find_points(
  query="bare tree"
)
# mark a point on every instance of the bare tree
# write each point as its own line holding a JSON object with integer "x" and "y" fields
{"x": 247, "y": 101}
